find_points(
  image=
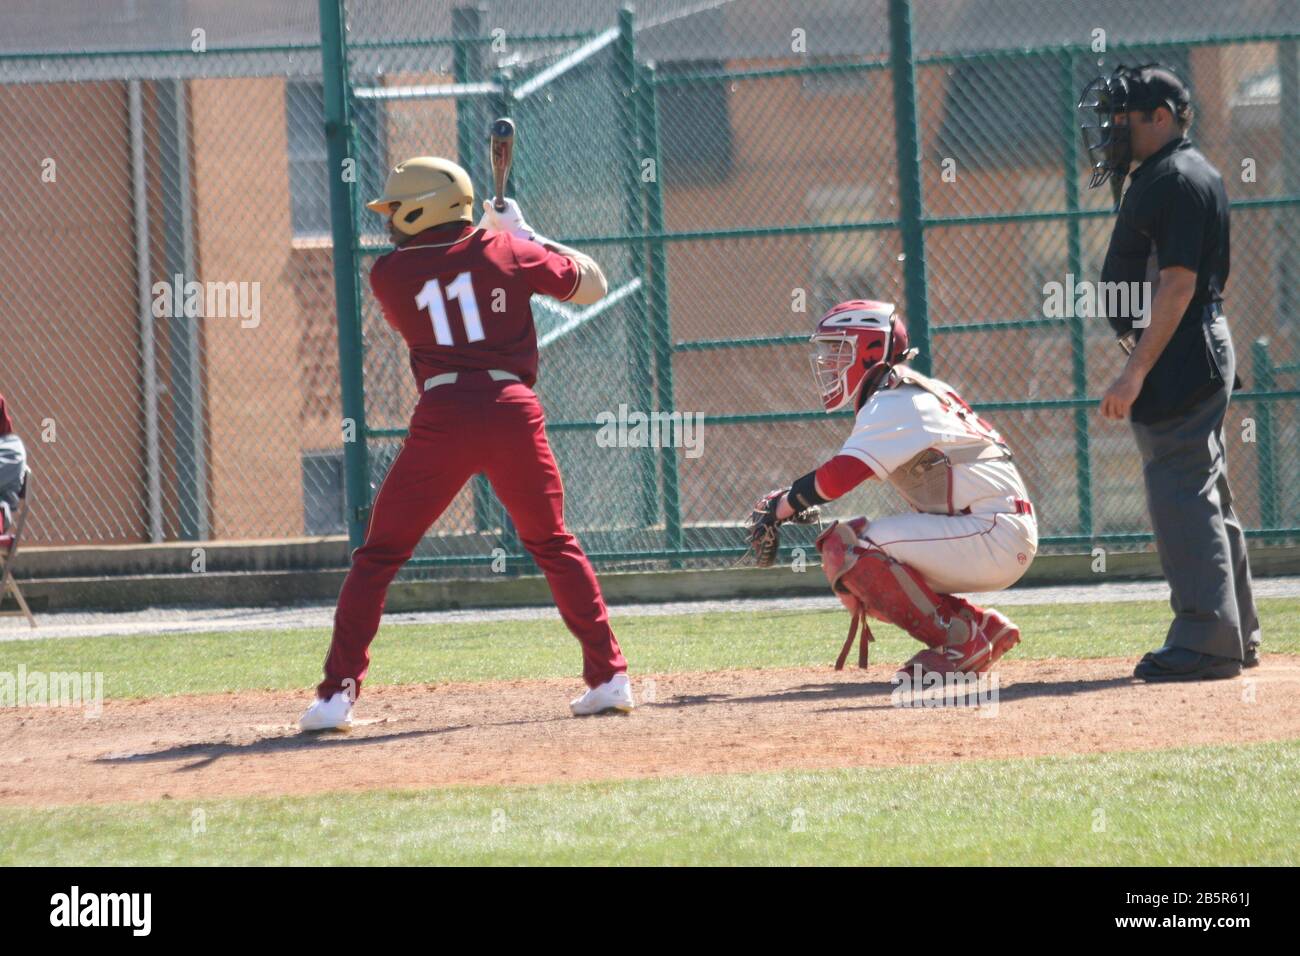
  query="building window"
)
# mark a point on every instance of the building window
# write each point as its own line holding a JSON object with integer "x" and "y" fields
{"x": 324, "y": 494}
{"x": 695, "y": 137}
{"x": 309, "y": 161}
{"x": 1006, "y": 113}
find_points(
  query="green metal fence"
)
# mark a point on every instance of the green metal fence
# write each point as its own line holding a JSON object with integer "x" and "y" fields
{"x": 737, "y": 167}
{"x": 732, "y": 196}
{"x": 165, "y": 309}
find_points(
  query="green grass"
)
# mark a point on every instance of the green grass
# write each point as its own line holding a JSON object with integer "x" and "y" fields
{"x": 1213, "y": 805}
{"x": 147, "y": 666}
{"x": 1217, "y": 805}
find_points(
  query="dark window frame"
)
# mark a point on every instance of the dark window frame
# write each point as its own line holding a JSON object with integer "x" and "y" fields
{"x": 308, "y": 157}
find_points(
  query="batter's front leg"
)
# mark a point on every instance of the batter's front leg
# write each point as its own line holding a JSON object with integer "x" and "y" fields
{"x": 429, "y": 471}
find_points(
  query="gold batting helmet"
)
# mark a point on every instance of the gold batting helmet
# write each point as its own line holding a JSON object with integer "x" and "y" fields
{"x": 423, "y": 192}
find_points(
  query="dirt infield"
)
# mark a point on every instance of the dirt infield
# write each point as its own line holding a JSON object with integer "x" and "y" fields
{"x": 520, "y": 732}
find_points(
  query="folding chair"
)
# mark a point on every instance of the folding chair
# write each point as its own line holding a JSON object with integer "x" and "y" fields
{"x": 9, "y": 537}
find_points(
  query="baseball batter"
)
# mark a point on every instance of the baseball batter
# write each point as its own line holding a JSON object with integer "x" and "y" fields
{"x": 459, "y": 296}
{"x": 973, "y": 529}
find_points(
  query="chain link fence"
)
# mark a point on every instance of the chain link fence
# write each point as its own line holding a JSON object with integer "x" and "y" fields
{"x": 165, "y": 293}
{"x": 734, "y": 166}
{"x": 767, "y": 187}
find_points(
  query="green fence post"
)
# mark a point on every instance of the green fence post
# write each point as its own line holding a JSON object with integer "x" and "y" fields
{"x": 334, "y": 66}
{"x": 907, "y": 139}
{"x": 1288, "y": 258}
{"x": 634, "y": 209}
{"x": 660, "y": 320}
{"x": 183, "y": 332}
{"x": 486, "y": 503}
{"x": 1078, "y": 337}
{"x": 1262, "y": 367}
{"x": 467, "y": 67}
{"x": 471, "y": 152}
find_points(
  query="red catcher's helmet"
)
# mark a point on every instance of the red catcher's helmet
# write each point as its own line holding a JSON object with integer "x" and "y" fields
{"x": 854, "y": 346}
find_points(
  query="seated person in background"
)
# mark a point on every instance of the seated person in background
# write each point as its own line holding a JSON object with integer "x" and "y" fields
{"x": 13, "y": 466}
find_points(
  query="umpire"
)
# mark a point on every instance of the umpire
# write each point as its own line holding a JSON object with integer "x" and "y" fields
{"x": 1172, "y": 231}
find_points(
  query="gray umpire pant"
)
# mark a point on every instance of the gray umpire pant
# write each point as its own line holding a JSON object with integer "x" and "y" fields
{"x": 1202, "y": 547}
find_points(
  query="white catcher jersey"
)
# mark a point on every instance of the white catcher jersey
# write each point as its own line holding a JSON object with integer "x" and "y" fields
{"x": 940, "y": 455}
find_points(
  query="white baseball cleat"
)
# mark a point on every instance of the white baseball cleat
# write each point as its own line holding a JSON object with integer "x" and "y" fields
{"x": 614, "y": 694}
{"x": 332, "y": 714}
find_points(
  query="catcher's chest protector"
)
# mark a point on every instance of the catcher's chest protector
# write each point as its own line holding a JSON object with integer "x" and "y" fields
{"x": 926, "y": 480}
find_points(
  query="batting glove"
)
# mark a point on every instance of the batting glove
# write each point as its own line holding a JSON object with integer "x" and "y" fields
{"x": 510, "y": 220}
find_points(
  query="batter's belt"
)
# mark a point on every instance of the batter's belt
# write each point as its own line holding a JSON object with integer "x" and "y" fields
{"x": 450, "y": 378}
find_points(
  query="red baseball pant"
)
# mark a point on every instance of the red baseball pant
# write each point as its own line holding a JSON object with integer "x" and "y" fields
{"x": 458, "y": 430}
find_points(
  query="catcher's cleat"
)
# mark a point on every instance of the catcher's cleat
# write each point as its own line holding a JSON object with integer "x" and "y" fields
{"x": 1001, "y": 633}
{"x": 997, "y": 627}
{"x": 614, "y": 694}
{"x": 332, "y": 714}
{"x": 972, "y": 656}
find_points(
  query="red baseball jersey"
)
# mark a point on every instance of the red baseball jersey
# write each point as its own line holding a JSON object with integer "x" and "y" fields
{"x": 460, "y": 299}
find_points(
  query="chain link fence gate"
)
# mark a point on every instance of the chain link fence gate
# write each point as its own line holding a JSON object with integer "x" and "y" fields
{"x": 738, "y": 167}
{"x": 440, "y": 97}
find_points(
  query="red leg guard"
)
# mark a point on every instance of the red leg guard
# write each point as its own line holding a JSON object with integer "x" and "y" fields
{"x": 954, "y": 606}
{"x": 995, "y": 626}
{"x": 890, "y": 591}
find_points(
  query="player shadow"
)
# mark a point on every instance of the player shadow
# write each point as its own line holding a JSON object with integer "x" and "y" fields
{"x": 205, "y": 754}
{"x": 873, "y": 690}
{"x": 209, "y": 753}
{"x": 1006, "y": 695}
{"x": 800, "y": 693}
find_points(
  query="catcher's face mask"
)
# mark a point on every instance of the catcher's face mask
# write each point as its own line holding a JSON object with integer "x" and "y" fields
{"x": 832, "y": 359}
{"x": 854, "y": 346}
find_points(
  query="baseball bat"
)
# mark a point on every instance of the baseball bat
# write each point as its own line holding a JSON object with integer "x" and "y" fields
{"x": 502, "y": 145}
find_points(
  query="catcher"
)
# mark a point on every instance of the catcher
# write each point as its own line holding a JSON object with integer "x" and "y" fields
{"x": 974, "y": 529}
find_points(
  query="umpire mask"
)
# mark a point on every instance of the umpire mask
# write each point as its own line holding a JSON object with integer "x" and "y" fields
{"x": 1143, "y": 87}
{"x": 1107, "y": 142}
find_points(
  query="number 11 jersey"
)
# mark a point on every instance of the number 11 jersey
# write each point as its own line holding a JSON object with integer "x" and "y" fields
{"x": 459, "y": 296}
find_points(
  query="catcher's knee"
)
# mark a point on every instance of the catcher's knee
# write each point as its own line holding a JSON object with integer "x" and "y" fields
{"x": 865, "y": 577}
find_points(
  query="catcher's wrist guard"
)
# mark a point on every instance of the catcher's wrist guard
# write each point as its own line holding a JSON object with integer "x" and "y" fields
{"x": 803, "y": 493}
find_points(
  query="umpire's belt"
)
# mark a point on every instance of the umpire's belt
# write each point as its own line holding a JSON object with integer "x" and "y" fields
{"x": 449, "y": 378}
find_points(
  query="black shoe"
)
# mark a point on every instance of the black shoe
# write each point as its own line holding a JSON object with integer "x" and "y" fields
{"x": 1252, "y": 656}
{"x": 1178, "y": 663}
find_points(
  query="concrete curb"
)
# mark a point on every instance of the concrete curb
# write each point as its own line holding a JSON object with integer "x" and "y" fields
{"x": 177, "y": 557}
{"x": 280, "y": 587}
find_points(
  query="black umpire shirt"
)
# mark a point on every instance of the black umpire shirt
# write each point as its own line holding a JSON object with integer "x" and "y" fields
{"x": 1175, "y": 213}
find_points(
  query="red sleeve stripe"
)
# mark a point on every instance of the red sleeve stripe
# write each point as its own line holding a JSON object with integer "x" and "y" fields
{"x": 841, "y": 475}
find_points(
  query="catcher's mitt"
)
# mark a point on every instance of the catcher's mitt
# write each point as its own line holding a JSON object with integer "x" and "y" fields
{"x": 763, "y": 529}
